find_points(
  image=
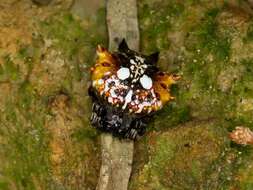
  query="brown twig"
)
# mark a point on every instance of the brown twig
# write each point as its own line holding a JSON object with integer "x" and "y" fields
{"x": 117, "y": 155}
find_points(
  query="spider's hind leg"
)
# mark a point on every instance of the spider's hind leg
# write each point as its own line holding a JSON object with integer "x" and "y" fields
{"x": 137, "y": 129}
{"x": 131, "y": 134}
{"x": 140, "y": 125}
{"x": 99, "y": 109}
{"x": 94, "y": 118}
{"x": 97, "y": 115}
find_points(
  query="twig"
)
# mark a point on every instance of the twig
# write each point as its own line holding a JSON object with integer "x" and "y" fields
{"x": 117, "y": 155}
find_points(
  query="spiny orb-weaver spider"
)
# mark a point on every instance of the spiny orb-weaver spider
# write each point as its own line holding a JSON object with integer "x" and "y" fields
{"x": 127, "y": 88}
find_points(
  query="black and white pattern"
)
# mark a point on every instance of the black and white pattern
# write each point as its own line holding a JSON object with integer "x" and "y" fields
{"x": 109, "y": 120}
{"x": 119, "y": 106}
{"x": 137, "y": 67}
{"x": 136, "y": 73}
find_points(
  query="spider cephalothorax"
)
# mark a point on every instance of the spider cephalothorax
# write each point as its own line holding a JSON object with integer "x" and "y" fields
{"x": 139, "y": 68}
{"x": 126, "y": 88}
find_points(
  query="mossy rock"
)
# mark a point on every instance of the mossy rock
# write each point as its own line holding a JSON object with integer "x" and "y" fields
{"x": 180, "y": 159}
{"x": 46, "y": 141}
{"x": 209, "y": 44}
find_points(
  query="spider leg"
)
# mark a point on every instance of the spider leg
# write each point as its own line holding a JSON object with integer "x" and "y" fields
{"x": 95, "y": 119}
{"x": 98, "y": 109}
{"x": 136, "y": 129}
{"x": 107, "y": 119}
{"x": 131, "y": 134}
{"x": 97, "y": 115}
{"x": 140, "y": 126}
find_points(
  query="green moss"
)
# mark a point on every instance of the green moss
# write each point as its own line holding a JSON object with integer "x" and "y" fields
{"x": 31, "y": 80}
{"x": 171, "y": 115}
{"x": 9, "y": 70}
{"x": 157, "y": 21}
{"x": 242, "y": 93}
{"x": 26, "y": 52}
{"x": 66, "y": 32}
{"x": 179, "y": 159}
{"x": 4, "y": 185}
{"x": 99, "y": 28}
{"x": 249, "y": 36}
{"x": 210, "y": 40}
{"x": 77, "y": 41}
{"x": 247, "y": 186}
{"x": 216, "y": 85}
{"x": 69, "y": 36}
{"x": 84, "y": 133}
{"x": 164, "y": 152}
{"x": 25, "y": 149}
{"x": 26, "y": 95}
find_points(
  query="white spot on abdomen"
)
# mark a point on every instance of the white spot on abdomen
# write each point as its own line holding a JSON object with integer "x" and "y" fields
{"x": 128, "y": 98}
{"x": 146, "y": 82}
{"x": 123, "y": 73}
